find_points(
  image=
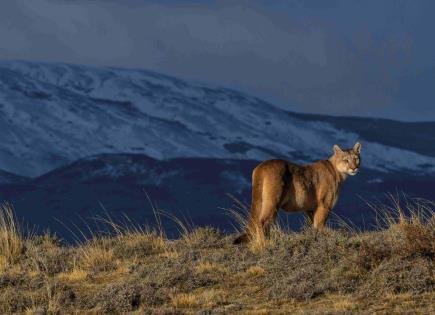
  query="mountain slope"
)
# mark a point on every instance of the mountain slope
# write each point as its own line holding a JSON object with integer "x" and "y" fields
{"x": 195, "y": 189}
{"x": 53, "y": 114}
{"x": 7, "y": 178}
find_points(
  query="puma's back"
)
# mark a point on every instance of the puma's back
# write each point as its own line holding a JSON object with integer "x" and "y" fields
{"x": 294, "y": 187}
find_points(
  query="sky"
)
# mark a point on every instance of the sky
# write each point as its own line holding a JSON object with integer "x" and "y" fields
{"x": 339, "y": 57}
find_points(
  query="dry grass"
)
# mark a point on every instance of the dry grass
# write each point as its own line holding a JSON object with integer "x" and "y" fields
{"x": 255, "y": 271}
{"x": 390, "y": 270}
{"x": 11, "y": 238}
{"x": 207, "y": 267}
{"x": 205, "y": 298}
{"x": 184, "y": 300}
{"x": 75, "y": 275}
{"x": 97, "y": 254}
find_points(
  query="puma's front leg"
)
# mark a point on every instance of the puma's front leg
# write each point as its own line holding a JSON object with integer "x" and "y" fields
{"x": 320, "y": 217}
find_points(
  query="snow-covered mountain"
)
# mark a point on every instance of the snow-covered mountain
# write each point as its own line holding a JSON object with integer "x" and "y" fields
{"x": 53, "y": 114}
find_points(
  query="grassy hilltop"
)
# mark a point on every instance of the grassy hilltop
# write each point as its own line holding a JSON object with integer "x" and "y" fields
{"x": 136, "y": 271}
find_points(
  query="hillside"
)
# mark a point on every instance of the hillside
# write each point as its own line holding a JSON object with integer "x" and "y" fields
{"x": 7, "y": 178}
{"x": 136, "y": 271}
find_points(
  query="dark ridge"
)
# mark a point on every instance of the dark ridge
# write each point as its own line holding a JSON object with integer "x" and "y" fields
{"x": 413, "y": 136}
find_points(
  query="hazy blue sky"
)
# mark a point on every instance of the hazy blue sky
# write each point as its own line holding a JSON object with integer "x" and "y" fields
{"x": 372, "y": 58}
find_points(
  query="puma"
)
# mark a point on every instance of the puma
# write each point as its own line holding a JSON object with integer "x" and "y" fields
{"x": 313, "y": 189}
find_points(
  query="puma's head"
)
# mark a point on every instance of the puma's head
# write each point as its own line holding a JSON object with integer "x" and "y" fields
{"x": 347, "y": 161}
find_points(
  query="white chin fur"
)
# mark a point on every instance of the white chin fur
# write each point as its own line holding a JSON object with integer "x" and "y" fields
{"x": 352, "y": 173}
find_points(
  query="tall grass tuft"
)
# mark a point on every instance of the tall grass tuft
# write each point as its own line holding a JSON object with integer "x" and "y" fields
{"x": 106, "y": 248}
{"x": 257, "y": 243}
{"x": 11, "y": 237}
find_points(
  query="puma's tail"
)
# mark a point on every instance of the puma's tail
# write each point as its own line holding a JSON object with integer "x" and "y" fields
{"x": 244, "y": 238}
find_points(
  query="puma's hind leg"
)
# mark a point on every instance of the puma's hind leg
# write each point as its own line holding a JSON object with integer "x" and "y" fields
{"x": 271, "y": 196}
{"x": 267, "y": 190}
{"x": 265, "y": 220}
{"x": 263, "y": 213}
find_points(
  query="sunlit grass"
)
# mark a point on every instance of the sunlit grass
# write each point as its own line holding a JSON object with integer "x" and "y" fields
{"x": 11, "y": 237}
{"x": 128, "y": 268}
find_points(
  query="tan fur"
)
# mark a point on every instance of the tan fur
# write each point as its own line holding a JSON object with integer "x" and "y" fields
{"x": 313, "y": 189}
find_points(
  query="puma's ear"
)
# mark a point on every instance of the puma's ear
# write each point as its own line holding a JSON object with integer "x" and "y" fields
{"x": 357, "y": 147}
{"x": 337, "y": 149}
